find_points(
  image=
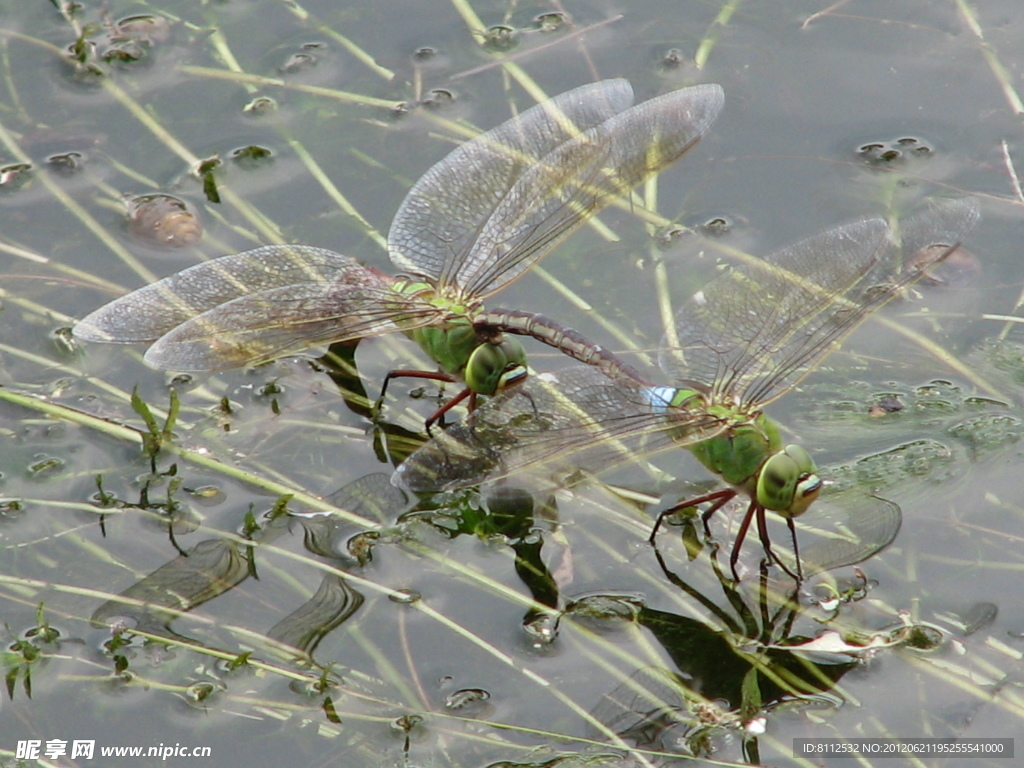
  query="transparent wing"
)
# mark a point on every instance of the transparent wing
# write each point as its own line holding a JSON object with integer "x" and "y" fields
{"x": 846, "y": 528}
{"x": 743, "y": 326}
{"x": 254, "y": 306}
{"x": 444, "y": 213}
{"x": 924, "y": 237}
{"x": 493, "y": 231}
{"x": 146, "y": 314}
{"x": 578, "y": 414}
{"x": 262, "y": 326}
{"x": 756, "y": 330}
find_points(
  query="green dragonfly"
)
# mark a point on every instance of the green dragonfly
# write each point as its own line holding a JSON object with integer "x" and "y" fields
{"x": 744, "y": 340}
{"x": 475, "y": 222}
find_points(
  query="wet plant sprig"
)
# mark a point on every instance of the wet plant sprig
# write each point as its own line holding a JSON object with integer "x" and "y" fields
{"x": 156, "y": 436}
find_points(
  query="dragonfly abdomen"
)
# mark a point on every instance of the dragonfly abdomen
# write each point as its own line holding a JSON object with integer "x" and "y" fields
{"x": 567, "y": 340}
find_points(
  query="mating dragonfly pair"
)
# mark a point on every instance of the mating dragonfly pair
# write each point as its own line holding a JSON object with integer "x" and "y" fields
{"x": 478, "y": 220}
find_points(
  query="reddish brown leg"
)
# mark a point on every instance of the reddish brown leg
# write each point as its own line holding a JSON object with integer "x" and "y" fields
{"x": 741, "y": 534}
{"x": 440, "y": 412}
{"x": 411, "y": 373}
{"x": 762, "y": 531}
{"x": 724, "y": 497}
{"x": 720, "y": 499}
{"x": 415, "y": 374}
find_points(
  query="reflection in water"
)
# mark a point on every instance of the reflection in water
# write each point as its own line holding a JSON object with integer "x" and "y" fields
{"x": 728, "y": 670}
{"x": 745, "y": 339}
{"x": 209, "y": 569}
{"x": 390, "y": 441}
{"x": 720, "y": 668}
{"x": 731, "y": 662}
{"x": 334, "y": 602}
{"x": 214, "y": 566}
{"x": 848, "y": 527}
{"x": 508, "y": 514}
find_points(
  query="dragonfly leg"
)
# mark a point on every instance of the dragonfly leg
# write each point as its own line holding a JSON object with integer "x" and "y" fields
{"x": 720, "y": 498}
{"x": 723, "y": 498}
{"x": 410, "y": 373}
{"x": 440, "y": 412}
{"x": 796, "y": 549}
{"x": 741, "y": 534}
{"x": 762, "y": 531}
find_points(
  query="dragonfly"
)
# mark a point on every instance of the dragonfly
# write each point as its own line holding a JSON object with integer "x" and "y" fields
{"x": 475, "y": 221}
{"x": 744, "y": 340}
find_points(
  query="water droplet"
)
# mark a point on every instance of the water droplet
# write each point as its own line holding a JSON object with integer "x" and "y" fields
{"x": 405, "y": 596}
{"x": 606, "y": 607}
{"x": 673, "y": 59}
{"x": 66, "y": 163}
{"x": 15, "y": 176}
{"x": 923, "y": 638}
{"x": 45, "y": 466}
{"x": 501, "y": 37}
{"x": 261, "y": 105}
{"x": 361, "y": 546}
{"x": 757, "y": 727}
{"x": 717, "y": 227}
{"x": 297, "y": 62}
{"x": 542, "y": 629}
{"x": 466, "y": 699}
{"x": 199, "y": 692}
{"x": 208, "y": 495}
{"x": 252, "y": 156}
{"x": 550, "y": 22}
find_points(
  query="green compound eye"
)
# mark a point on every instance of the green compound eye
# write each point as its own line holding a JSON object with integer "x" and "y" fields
{"x": 492, "y": 367}
{"x": 788, "y": 482}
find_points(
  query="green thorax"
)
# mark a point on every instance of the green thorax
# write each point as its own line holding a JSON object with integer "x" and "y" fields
{"x": 750, "y": 456}
{"x": 487, "y": 363}
{"x": 450, "y": 345}
{"x": 425, "y": 292}
{"x": 738, "y": 453}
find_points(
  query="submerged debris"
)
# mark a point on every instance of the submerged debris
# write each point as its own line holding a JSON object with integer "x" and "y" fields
{"x": 164, "y": 220}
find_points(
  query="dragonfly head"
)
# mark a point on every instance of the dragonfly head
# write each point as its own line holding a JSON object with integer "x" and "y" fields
{"x": 495, "y": 365}
{"x": 788, "y": 482}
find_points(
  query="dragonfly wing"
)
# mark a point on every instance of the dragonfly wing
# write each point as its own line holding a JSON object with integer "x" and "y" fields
{"x": 924, "y": 237}
{"x": 440, "y": 220}
{"x": 148, "y": 313}
{"x": 736, "y": 331}
{"x": 756, "y": 330}
{"x": 262, "y": 326}
{"x": 563, "y": 189}
{"x": 848, "y": 527}
{"x": 578, "y": 414}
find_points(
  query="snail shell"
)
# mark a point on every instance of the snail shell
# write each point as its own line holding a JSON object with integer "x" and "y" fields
{"x": 164, "y": 220}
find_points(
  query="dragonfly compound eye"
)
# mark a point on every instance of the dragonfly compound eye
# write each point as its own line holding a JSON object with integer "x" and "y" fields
{"x": 807, "y": 491}
{"x": 493, "y": 366}
{"x": 788, "y": 482}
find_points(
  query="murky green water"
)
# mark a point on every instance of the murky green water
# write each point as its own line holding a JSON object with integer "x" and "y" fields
{"x": 543, "y": 635}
